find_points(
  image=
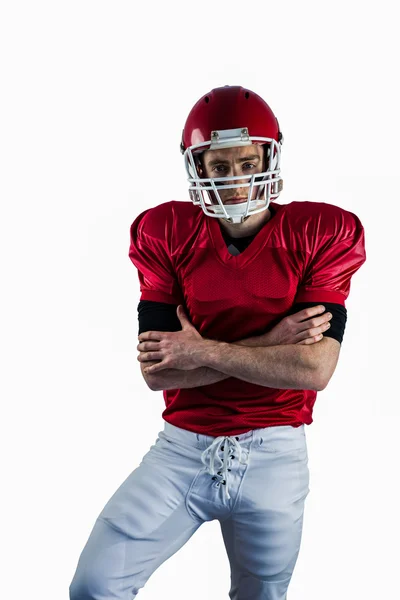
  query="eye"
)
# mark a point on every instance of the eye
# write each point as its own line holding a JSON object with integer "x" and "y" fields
{"x": 249, "y": 165}
{"x": 217, "y": 167}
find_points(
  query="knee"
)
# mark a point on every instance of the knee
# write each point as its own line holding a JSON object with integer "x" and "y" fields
{"x": 91, "y": 582}
{"x": 88, "y": 584}
{"x": 79, "y": 588}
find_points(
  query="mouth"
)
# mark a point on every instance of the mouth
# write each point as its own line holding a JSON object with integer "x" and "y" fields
{"x": 236, "y": 200}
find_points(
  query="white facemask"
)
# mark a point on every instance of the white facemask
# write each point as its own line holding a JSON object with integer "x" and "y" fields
{"x": 267, "y": 183}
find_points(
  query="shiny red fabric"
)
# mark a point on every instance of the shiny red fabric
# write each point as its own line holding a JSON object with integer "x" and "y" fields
{"x": 307, "y": 251}
{"x": 225, "y": 107}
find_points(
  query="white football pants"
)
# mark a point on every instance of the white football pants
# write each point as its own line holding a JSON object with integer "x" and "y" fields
{"x": 255, "y": 484}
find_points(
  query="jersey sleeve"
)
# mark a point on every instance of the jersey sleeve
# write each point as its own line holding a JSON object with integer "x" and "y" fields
{"x": 337, "y": 251}
{"x": 149, "y": 253}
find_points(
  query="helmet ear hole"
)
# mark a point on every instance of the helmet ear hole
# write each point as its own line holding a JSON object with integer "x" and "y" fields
{"x": 267, "y": 152}
{"x": 199, "y": 165}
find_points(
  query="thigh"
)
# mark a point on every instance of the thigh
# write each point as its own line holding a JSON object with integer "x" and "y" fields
{"x": 263, "y": 534}
{"x": 143, "y": 524}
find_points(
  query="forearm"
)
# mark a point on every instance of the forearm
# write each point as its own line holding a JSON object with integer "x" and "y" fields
{"x": 171, "y": 379}
{"x": 291, "y": 366}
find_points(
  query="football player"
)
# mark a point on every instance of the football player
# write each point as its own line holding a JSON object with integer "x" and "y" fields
{"x": 241, "y": 318}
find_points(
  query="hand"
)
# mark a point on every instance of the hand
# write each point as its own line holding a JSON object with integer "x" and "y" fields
{"x": 174, "y": 349}
{"x": 304, "y": 327}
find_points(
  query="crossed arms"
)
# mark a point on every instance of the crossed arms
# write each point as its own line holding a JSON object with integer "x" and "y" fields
{"x": 183, "y": 359}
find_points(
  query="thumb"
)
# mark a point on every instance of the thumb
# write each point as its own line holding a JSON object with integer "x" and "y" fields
{"x": 182, "y": 316}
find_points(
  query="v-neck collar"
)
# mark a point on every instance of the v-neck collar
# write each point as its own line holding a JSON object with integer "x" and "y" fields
{"x": 240, "y": 260}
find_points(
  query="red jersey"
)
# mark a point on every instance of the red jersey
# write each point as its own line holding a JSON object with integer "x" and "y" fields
{"x": 307, "y": 251}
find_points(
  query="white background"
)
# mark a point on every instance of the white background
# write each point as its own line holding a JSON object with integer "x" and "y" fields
{"x": 93, "y": 102}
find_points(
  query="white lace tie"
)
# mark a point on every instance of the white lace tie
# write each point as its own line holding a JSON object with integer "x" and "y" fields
{"x": 227, "y": 444}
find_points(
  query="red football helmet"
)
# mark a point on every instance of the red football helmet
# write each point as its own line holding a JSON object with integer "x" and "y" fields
{"x": 227, "y": 117}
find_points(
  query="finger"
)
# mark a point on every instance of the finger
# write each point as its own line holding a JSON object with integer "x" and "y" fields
{"x": 151, "y": 335}
{"x": 181, "y": 311}
{"x": 307, "y": 313}
{"x": 145, "y": 346}
{"x": 312, "y": 340}
{"x": 146, "y": 356}
{"x": 318, "y": 321}
{"x": 311, "y": 333}
{"x": 186, "y": 324}
{"x": 181, "y": 316}
{"x": 155, "y": 368}
{"x": 313, "y": 323}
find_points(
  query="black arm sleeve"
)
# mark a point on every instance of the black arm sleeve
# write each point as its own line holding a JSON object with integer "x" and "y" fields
{"x": 157, "y": 316}
{"x": 338, "y": 321}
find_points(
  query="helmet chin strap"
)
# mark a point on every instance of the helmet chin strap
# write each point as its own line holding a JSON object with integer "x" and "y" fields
{"x": 235, "y": 211}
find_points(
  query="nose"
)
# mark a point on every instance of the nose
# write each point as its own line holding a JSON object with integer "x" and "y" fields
{"x": 236, "y": 171}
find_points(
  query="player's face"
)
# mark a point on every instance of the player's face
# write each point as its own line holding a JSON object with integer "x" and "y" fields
{"x": 234, "y": 162}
